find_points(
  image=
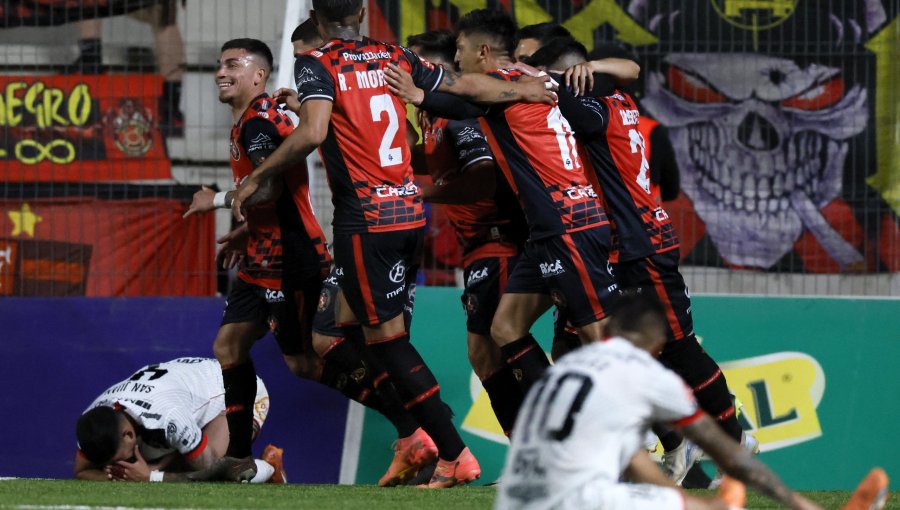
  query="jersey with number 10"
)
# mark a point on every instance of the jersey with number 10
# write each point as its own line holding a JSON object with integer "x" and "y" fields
{"x": 535, "y": 148}
{"x": 365, "y": 152}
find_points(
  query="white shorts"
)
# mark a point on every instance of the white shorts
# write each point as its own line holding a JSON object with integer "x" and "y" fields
{"x": 622, "y": 496}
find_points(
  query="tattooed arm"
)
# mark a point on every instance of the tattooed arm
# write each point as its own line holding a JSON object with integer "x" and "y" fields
{"x": 481, "y": 88}
{"x": 741, "y": 464}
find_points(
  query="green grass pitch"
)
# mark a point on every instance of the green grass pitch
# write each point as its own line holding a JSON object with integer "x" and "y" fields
{"x": 74, "y": 495}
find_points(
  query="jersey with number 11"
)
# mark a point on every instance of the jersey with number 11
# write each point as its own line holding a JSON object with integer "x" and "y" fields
{"x": 365, "y": 153}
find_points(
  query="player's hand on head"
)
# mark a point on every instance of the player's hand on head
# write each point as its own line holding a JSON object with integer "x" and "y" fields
{"x": 580, "y": 78}
{"x": 289, "y": 98}
{"x": 202, "y": 202}
{"x": 401, "y": 84}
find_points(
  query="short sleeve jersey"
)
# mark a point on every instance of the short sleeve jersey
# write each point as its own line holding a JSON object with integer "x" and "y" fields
{"x": 171, "y": 402}
{"x": 365, "y": 152}
{"x": 284, "y": 234}
{"x": 620, "y": 158}
{"x": 536, "y": 149}
{"x": 490, "y": 227}
{"x": 585, "y": 419}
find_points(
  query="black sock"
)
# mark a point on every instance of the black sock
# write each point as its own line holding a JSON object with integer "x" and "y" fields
{"x": 419, "y": 389}
{"x": 240, "y": 396}
{"x": 564, "y": 342}
{"x": 506, "y": 397}
{"x": 704, "y": 376}
{"x": 526, "y": 359}
{"x": 669, "y": 438}
{"x": 347, "y": 371}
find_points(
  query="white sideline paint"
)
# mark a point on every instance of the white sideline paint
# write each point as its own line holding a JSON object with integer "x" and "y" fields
{"x": 356, "y": 414}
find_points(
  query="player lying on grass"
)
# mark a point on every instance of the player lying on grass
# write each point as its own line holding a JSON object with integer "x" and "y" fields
{"x": 167, "y": 423}
{"x": 581, "y": 427}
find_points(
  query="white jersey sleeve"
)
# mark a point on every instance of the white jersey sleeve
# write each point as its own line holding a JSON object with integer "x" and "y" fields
{"x": 672, "y": 400}
{"x": 182, "y": 433}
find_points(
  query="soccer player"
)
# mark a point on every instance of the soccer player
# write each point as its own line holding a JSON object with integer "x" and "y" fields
{"x": 565, "y": 259}
{"x": 488, "y": 223}
{"x": 582, "y": 425}
{"x": 531, "y": 38}
{"x": 645, "y": 255}
{"x": 345, "y": 107}
{"x": 166, "y": 423}
{"x": 279, "y": 286}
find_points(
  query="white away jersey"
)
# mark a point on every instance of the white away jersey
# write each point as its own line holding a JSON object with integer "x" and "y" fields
{"x": 171, "y": 401}
{"x": 584, "y": 421}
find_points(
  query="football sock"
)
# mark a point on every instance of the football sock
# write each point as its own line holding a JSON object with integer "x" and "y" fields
{"x": 564, "y": 342}
{"x": 506, "y": 397}
{"x": 240, "y": 395}
{"x": 420, "y": 392}
{"x": 704, "y": 376}
{"x": 353, "y": 371}
{"x": 526, "y": 359}
{"x": 669, "y": 438}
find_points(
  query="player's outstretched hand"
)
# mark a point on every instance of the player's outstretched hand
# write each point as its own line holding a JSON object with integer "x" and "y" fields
{"x": 401, "y": 84}
{"x": 124, "y": 471}
{"x": 202, "y": 202}
{"x": 235, "y": 246}
{"x": 580, "y": 77}
{"x": 247, "y": 188}
{"x": 289, "y": 98}
{"x": 538, "y": 89}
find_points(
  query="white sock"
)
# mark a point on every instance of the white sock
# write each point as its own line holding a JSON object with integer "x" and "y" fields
{"x": 264, "y": 471}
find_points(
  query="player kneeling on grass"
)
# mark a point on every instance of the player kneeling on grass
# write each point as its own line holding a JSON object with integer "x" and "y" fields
{"x": 581, "y": 427}
{"x": 167, "y": 423}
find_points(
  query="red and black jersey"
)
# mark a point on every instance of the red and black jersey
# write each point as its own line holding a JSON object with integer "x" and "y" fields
{"x": 284, "y": 235}
{"x": 536, "y": 149}
{"x": 491, "y": 227}
{"x": 365, "y": 153}
{"x": 610, "y": 132}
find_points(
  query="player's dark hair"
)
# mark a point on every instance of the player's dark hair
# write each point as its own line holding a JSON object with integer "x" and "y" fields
{"x": 636, "y": 313}
{"x": 306, "y": 32}
{"x": 254, "y": 46}
{"x": 554, "y": 50}
{"x": 336, "y": 10}
{"x": 495, "y": 24}
{"x": 611, "y": 50}
{"x": 543, "y": 32}
{"x": 98, "y": 433}
{"x": 436, "y": 42}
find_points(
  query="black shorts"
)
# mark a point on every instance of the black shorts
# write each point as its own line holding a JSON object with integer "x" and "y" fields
{"x": 573, "y": 269}
{"x": 659, "y": 274}
{"x": 379, "y": 272}
{"x": 485, "y": 280}
{"x": 288, "y": 312}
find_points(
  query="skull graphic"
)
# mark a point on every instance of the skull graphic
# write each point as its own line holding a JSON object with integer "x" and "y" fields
{"x": 761, "y": 142}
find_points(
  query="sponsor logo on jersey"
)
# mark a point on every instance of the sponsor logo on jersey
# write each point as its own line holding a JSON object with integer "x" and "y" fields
{"x": 261, "y": 142}
{"x": 396, "y": 292}
{"x": 468, "y": 134}
{"x": 316, "y": 53}
{"x": 477, "y": 275}
{"x": 581, "y": 192}
{"x": 274, "y": 296}
{"x": 629, "y": 117}
{"x": 304, "y": 76}
{"x": 407, "y": 190}
{"x": 660, "y": 214}
{"x": 366, "y": 56}
{"x": 398, "y": 272}
{"x": 552, "y": 268}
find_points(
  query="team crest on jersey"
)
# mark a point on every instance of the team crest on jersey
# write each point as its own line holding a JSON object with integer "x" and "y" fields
{"x": 235, "y": 151}
{"x": 273, "y": 324}
{"x": 470, "y": 304}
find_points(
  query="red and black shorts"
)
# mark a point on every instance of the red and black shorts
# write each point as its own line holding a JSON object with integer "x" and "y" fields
{"x": 288, "y": 312}
{"x": 659, "y": 274}
{"x": 485, "y": 280}
{"x": 574, "y": 270}
{"x": 379, "y": 272}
